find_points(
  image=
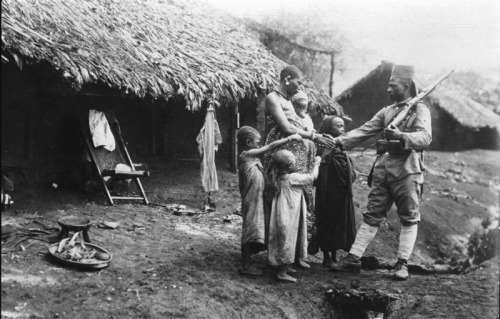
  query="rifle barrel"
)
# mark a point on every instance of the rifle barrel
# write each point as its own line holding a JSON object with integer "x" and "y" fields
{"x": 401, "y": 115}
{"x": 433, "y": 85}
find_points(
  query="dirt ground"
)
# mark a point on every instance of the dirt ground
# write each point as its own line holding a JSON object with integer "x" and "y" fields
{"x": 168, "y": 266}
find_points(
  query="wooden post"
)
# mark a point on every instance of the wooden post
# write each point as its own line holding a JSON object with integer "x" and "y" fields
{"x": 237, "y": 119}
{"x": 313, "y": 58}
{"x": 332, "y": 65}
{"x": 153, "y": 129}
{"x": 166, "y": 150}
{"x": 235, "y": 124}
{"x": 165, "y": 126}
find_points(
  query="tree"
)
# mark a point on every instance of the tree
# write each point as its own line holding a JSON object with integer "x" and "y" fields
{"x": 313, "y": 44}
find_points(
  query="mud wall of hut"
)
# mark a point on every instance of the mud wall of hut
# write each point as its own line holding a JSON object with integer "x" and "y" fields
{"x": 39, "y": 131}
{"x": 19, "y": 104}
{"x": 41, "y": 135}
{"x": 178, "y": 127}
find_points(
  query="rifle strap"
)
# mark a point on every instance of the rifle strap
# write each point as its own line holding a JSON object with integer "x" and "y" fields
{"x": 408, "y": 124}
{"x": 412, "y": 108}
{"x": 394, "y": 116}
{"x": 422, "y": 157}
{"x": 370, "y": 176}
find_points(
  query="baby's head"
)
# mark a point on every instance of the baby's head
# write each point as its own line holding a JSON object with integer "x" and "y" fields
{"x": 333, "y": 125}
{"x": 300, "y": 102}
{"x": 248, "y": 138}
{"x": 285, "y": 161}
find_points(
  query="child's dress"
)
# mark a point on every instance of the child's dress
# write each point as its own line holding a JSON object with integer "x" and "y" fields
{"x": 287, "y": 227}
{"x": 252, "y": 183}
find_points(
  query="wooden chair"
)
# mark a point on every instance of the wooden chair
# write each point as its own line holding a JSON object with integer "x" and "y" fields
{"x": 105, "y": 161}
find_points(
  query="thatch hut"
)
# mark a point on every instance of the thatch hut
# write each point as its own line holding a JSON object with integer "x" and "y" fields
{"x": 154, "y": 63}
{"x": 458, "y": 122}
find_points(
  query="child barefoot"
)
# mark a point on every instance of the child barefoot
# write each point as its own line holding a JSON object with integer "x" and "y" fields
{"x": 287, "y": 227}
{"x": 252, "y": 183}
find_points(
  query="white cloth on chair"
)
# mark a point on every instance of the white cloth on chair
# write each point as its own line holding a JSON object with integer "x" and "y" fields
{"x": 101, "y": 131}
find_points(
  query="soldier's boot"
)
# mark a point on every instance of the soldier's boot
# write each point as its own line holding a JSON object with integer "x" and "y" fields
{"x": 349, "y": 263}
{"x": 401, "y": 270}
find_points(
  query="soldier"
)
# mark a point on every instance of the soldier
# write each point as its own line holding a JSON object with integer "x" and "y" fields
{"x": 397, "y": 174}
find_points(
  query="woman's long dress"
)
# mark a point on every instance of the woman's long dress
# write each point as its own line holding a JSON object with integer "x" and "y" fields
{"x": 304, "y": 151}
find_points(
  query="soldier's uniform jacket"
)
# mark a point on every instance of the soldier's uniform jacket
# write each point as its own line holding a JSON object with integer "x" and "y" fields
{"x": 417, "y": 135}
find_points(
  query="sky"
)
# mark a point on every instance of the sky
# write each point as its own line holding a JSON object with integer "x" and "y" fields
{"x": 431, "y": 35}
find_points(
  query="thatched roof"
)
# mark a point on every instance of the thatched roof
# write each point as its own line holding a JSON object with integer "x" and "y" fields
{"x": 464, "y": 109}
{"x": 154, "y": 47}
{"x": 368, "y": 95}
{"x": 372, "y": 86}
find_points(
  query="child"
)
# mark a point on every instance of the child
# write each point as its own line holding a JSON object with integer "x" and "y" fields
{"x": 300, "y": 102}
{"x": 335, "y": 219}
{"x": 287, "y": 227}
{"x": 252, "y": 183}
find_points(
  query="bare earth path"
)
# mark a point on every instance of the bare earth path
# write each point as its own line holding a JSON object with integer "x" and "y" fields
{"x": 167, "y": 266}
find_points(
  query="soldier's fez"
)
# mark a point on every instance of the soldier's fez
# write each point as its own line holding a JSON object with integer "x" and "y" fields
{"x": 405, "y": 72}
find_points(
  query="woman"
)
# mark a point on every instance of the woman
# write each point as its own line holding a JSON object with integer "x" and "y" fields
{"x": 282, "y": 121}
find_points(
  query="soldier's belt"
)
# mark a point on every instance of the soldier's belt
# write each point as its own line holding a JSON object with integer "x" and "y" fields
{"x": 394, "y": 147}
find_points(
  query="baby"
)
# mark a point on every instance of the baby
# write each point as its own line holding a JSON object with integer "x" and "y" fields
{"x": 300, "y": 102}
{"x": 287, "y": 227}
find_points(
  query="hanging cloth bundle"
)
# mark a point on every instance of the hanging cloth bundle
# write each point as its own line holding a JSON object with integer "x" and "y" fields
{"x": 208, "y": 140}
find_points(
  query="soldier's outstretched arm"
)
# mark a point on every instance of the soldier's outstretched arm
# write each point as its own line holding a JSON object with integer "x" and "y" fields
{"x": 357, "y": 136}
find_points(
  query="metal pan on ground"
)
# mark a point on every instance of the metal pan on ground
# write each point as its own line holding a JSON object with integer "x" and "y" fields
{"x": 93, "y": 263}
{"x": 74, "y": 222}
{"x": 188, "y": 212}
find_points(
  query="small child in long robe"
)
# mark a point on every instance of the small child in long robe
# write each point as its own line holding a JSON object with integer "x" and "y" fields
{"x": 252, "y": 183}
{"x": 287, "y": 226}
{"x": 335, "y": 214}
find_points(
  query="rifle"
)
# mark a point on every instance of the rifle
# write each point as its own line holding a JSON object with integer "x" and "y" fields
{"x": 402, "y": 114}
{"x": 385, "y": 145}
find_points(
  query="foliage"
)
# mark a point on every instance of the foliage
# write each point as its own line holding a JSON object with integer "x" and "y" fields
{"x": 309, "y": 31}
